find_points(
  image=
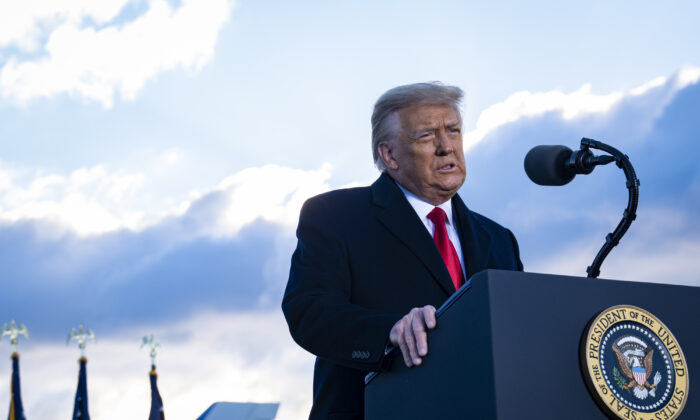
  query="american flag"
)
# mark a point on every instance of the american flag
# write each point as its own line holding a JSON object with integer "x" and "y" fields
{"x": 156, "y": 412}
{"x": 80, "y": 409}
{"x": 16, "y": 409}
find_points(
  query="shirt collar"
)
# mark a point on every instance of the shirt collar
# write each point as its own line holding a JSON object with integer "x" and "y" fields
{"x": 422, "y": 207}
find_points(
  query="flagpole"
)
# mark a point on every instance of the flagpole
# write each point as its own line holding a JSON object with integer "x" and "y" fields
{"x": 80, "y": 407}
{"x": 14, "y": 331}
{"x": 156, "y": 412}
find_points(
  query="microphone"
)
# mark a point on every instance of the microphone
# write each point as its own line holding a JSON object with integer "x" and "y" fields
{"x": 558, "y": 165}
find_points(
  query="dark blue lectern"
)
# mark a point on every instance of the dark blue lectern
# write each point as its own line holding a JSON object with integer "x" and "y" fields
{"x": 510, "y": 347}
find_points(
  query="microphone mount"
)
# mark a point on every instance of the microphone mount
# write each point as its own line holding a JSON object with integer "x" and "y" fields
{"x": 584, "y": 160}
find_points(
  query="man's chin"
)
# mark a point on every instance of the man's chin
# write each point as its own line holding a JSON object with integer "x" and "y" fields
{"x": 452, "y": 184}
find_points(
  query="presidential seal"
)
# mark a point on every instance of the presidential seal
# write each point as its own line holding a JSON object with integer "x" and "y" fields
{"x": 633, "y": 365}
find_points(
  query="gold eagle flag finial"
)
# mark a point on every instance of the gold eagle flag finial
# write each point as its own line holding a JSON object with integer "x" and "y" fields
{"x": 152, "y": 343}
{"x": 81, "y": 335}
{"x": 14, "y": 331}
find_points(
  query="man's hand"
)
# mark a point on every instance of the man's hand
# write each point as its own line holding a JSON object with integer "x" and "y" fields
{"x": 409, "y": 333}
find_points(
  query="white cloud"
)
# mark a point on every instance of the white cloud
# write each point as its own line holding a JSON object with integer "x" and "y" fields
{"x": 580, "y": 102}
{"x": 687, "y": 76}
{"x": 645, "y": 87}
{"x": 22, "y": 23}
{"x": 526, "y": 104}
{"x": 670, "y": 263}
{"x": 89, "y": 200}
{"x": 96, "y": 62}
{"x": 272, "y": 193}
{"x": 97, "y": 200}
{"x": 658, "y": 248}
{"x": 207, "y": 358}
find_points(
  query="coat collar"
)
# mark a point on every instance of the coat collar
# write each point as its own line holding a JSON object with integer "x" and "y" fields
{"x": 397, "y": 215}
{"x": 475, "y": 240}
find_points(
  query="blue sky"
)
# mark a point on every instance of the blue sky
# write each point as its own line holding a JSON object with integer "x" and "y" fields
{"x": 154, "y": 156}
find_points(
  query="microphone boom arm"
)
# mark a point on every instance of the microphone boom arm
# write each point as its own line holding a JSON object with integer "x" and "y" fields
{"x": 630, "y": 213}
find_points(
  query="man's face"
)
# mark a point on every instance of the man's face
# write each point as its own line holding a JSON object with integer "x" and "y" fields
{"x": 427, "y": 157}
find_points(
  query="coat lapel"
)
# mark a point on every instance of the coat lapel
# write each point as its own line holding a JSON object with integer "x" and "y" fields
{"x": 475, "y": 241}
{"x": 397, "y": 215}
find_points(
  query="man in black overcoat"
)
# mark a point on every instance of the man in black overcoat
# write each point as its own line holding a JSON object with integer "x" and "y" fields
{"x": 373, "y": 263}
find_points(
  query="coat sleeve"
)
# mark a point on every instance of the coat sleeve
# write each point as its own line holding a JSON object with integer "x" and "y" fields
{"x": 516, "y": 251}
{"x": 317, "y": 301}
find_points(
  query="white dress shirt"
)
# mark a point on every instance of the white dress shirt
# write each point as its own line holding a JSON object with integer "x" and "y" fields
{"x": 422, "y": 208}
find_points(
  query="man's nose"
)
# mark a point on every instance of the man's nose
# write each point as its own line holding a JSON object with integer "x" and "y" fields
{"x": 444, "y": 145}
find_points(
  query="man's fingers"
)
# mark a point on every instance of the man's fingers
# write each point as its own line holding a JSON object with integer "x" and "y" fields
{"x": 410, "y": 334}
{"x": 405, "y": 352}
{"x": 429, "y": 315}
{"x": 418, "y": 327}
{"x": 397, "y": 338}
{"x": 394, "y": 333}
{"x": 410, "y": 338}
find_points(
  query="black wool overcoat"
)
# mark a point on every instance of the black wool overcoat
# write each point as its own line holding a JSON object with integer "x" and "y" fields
{"x": 362, "y": 261}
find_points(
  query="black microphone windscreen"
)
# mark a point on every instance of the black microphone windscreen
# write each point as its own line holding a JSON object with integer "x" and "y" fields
{"x": 546, "y": 165}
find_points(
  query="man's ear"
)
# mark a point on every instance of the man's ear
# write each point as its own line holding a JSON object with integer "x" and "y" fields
{"x": 386, "y": 153}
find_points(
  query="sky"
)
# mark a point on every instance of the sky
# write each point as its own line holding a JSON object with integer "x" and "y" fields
{"x": 154, "y": 156}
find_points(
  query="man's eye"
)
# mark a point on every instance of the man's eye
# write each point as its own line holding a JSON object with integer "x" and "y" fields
{"x": 455, "y": 130}
{"x": 426, "y": 136}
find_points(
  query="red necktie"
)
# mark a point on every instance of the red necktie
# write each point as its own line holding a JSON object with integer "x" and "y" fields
{"x": 444, "y": 245}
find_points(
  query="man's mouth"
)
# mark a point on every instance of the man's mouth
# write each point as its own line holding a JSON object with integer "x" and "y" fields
{"x": 447, "y": 168}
